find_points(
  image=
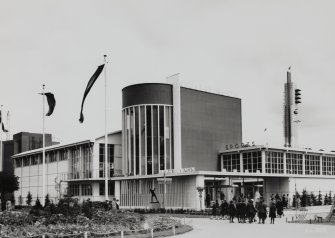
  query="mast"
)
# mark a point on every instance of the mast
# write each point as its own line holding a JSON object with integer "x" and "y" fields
{"x": 106, "y": 149}
{"x": 43, "y": 154}
{"x": 8, "y": 126}
{"x": 1, "y": 157}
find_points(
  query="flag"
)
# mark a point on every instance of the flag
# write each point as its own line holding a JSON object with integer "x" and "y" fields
{"x": 3, "y": 128}
{"x": 51, "y": 102}
{"x": 88, "y": 88}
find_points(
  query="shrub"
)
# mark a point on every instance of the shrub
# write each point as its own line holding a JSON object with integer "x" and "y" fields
{"x": 29, "y": 199}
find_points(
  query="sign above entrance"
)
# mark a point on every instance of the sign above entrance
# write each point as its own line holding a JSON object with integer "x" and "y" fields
{"x": 237, "y": 145}
{"x": 164, "y": 180}
{"x": 176, "y": 171}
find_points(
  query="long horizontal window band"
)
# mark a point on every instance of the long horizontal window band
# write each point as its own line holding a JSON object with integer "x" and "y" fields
{"x": 278, "y": 162}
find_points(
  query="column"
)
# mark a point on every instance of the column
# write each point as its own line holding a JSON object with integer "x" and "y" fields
{"x": 117, "y": 190}
{"x": 176, "y": 122}
{"x": 321, "y": 169}
{"x": 284, "y": 161}
{"x": 303, "y": 164}
{"x": 200, "y": 182}
{"x": 241, "y": 162}
{"x": 263, "y": 161}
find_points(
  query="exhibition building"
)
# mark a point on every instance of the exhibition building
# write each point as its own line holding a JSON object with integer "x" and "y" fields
{"x": 173, "y": 142}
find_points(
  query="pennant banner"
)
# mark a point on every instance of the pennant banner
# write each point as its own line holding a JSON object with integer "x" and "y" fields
{"x": 88, "y": 88}
{"x": 3, "y": 128}
{"x": 52, "y": 103}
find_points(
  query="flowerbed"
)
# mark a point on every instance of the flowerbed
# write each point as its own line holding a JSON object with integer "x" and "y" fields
{"x": 26, "y": 225}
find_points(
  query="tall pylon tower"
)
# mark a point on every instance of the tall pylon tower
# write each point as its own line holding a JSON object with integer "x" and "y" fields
{"x": 8, "y": 126}
{"x": 292, "y": 97}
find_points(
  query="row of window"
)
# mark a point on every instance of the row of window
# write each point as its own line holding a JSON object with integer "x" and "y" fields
{"x": 252, "y": 162}
{"x": 86, "y": 189}
{"x": 274, "y": 163}
{"x": 50, "y": 157}
{"x": 74, "y": 189}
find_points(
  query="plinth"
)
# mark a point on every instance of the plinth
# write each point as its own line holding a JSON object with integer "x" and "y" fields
{"x": 154, "y": 205}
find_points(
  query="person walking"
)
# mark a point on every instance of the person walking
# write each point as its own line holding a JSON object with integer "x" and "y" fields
{"x": 238, "y": 210}
{"x": 231, "y": 211}
{"x": 251, "y": 211}
{"x": 280, "y": 207}
{"x": 243, "y": 211}
{"x": 272, "y": 213}
{"x": 262, "y": 213}
{"x": 224, "y": 208}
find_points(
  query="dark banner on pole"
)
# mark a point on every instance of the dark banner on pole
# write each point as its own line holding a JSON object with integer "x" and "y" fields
{"x": 88, "y": 88}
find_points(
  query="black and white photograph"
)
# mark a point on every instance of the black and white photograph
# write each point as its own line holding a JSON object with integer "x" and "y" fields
{"x": 167, "y": 118}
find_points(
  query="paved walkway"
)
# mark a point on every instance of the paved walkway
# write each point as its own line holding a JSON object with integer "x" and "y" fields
{"x": 221, "y": 228}
{"x": 207, "y": 228}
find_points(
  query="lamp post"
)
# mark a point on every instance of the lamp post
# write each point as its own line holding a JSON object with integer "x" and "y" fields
{"x": 200, "y": 190}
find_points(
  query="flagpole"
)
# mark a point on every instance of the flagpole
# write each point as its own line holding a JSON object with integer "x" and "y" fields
{"x": 43, "y": 153}
{"x": 106, "y": 149}
{"x": 1, "y": 158}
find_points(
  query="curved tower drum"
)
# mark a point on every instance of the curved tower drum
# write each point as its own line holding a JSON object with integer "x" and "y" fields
{"x": 147, "y": 128}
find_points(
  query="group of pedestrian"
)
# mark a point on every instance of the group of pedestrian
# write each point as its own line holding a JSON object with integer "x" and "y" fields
{"x": 246, "y": 210}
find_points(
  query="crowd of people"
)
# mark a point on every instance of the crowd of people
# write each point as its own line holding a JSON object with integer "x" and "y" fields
{"x": 247, "y": 210}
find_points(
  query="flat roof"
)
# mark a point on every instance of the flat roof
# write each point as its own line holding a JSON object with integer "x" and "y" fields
{"x": 220, "y": 174}
{"x": 110, "y": 133}
{"x": 286, "y": 149}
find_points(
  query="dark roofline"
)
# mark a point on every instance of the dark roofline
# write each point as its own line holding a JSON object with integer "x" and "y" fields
{"x": 217, "y": 94}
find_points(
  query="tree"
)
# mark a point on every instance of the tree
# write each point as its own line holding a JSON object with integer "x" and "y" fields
{"x": 325, "y": 202}
{"x": 8, "y": 184}
{"x": 330, "y": 198}
{"x": 304, "y": 198}
{"x": 29, "y": 199}
{"x": 20, "y": 200}
{"x": 47, "y": 201}
{"x": 313, "y": 199}
{"x": 38, "y": 204}
{"x": 319, "y": 199}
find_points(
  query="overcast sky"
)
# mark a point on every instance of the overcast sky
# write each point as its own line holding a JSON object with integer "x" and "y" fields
{"x": 242, "y": 48}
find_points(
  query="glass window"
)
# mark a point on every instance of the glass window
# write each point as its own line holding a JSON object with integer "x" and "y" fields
{"x": 63, "y": 155}
{"x": 110, "y": 188}
{"x": 74, "y": 189}
{"x": 161, "y": 139}
{"x": 86, "y": 189}
{"x": 274, "y": 162}
{"x": 143, "y": 139}
{"x": 231, "y": 162}
{"x": 110, "y": 157}
{"x": 252, "y": 162}
{"x": 293, "y": 163}
{"x": 328, "y": 165}
{"x": 26, "y": 161}
{"x": 34, "y": 160}
{"x": 155, "y": 138}
{"x": 312, "y": 164}
{"x": 149, "y": 141}
{"x": 52, "y": 157}
{"x": 137, "y": 142}
{"x": 18, "y": 162}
